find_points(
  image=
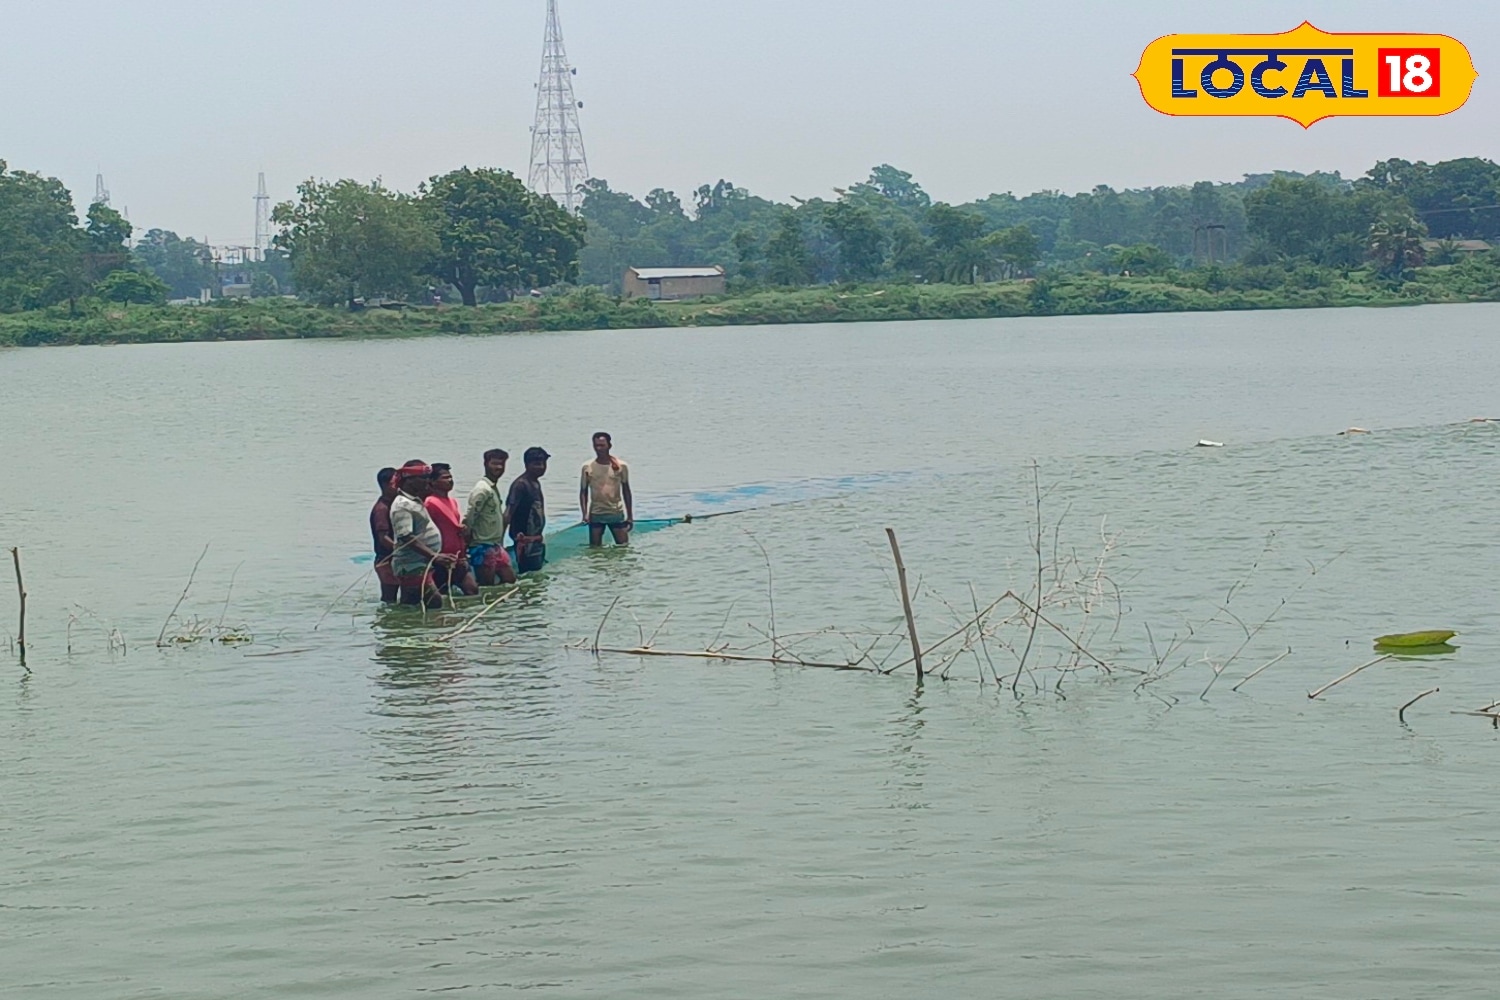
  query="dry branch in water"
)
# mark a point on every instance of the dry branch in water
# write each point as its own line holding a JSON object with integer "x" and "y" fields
{"x": 161, "y": 638}
{"x": 1257, "y": 671}
{"x": 1401, "y": 712}
{"x": 449, "y": 637}
{"x": 705, "y": 654}
{"x": 911, "y": 622}
{"x": 1064, "y": 620}
{"x": 198, "y": 629}
{"x": 1344, "y": 677}
{"x": 1073, "y": 600}
{"x": 15, "y": 555}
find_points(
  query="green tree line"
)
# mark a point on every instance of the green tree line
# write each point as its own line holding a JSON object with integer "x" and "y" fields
{"x": 887, "y": 228}
{"x": 479, "y": 235}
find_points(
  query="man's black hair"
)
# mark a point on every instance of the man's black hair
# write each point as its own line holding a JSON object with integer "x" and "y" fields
{"x": 499, "y": 453}
{"x": 438, "y": 468}
{"x": 536, "y": 453}
{"x": 384, "y": 476}
{"x": 604, "y": 435}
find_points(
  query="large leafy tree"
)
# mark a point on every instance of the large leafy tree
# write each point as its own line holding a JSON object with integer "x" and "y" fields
{"x": 132, "y": 286}
{"x": 108, "y": 230}
{"x": 349, "y": 240}
{"x": 41, "y": 247}
{"x": 108, "y": 236}
{"x": 495, "y": 233}
{"x": 898, "y": 187}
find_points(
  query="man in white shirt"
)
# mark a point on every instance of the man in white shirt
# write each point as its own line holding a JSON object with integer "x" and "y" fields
{"x": 604, "y": 494}
{"x": 419, "y": 544}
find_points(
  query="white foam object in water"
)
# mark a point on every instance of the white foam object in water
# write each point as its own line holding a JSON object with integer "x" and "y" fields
{"x": 1205, "y": 443}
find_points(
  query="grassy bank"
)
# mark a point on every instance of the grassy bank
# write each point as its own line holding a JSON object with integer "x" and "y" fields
{"x": 1205, "y": 289}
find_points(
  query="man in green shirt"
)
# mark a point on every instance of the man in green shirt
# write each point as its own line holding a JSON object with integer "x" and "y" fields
{"x": 484, "y": 519}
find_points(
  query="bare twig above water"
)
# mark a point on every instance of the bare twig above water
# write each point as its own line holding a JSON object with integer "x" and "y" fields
{"x": 227, "y": 594}
{"x": 1256, "y": 672}
{"x": 1340, "y": 679}
{"x": 657, "y": 631}
{"x": 114, "y": 639}
{"x": 161, "y": 639}
{"x": 911, "y": 622}
{"x": 1401, "y": 712}
{"x": 449, "y": 637}
{"x": 600, "y": 631}
{"x": 694, "y": 654}
{"x": 328, "y": 610}
{"x": 974, "y": 598}
{"x": 1058, "y": 620}
{"x": 15, "y": 555}
{"x": 770, "y": 589}
{"x": 1036, "y": 487}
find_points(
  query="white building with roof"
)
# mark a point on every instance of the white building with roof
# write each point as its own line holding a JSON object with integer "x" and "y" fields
{"x": 669, "y": 283}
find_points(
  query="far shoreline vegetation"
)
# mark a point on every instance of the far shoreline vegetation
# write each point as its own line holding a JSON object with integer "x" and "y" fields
{"x": 465, "y": 253}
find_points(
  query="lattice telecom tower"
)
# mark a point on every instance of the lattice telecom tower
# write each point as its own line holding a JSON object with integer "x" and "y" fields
{"x": 101, "y": 193}
{"x": 558, "y": 163}
{"x": 262, "y": 219}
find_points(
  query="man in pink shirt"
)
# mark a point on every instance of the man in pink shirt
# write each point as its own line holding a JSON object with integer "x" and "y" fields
{"x": 450, "y": 524}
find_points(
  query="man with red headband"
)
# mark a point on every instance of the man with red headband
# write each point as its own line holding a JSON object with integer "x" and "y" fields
{"x": 419, "y": 544}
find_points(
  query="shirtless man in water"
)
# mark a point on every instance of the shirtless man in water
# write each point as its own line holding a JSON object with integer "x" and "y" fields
{"x": 604, "y": 496}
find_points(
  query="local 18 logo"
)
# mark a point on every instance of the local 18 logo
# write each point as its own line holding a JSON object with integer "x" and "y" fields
{"x": 1306, "y": 74}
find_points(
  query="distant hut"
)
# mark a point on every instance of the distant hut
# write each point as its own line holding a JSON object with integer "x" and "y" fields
{"x": 667, "y": 284}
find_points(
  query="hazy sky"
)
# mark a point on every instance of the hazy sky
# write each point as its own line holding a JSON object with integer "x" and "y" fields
{"x": 181, "y": 102}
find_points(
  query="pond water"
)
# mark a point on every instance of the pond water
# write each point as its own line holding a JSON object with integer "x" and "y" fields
{"x": 351, "y": 806}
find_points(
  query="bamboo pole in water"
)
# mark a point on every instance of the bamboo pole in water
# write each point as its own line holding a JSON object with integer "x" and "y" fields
{"x": 911, "y": 621}
{"x": 15, "y": 555}
{"x": 1260, "y": 669}
{"x": 711, "y": 654}
{"x": 487, "y": 609}
{"x": 1344, "y": 677}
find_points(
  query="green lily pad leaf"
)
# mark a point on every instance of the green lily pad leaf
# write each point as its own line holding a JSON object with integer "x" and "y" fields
{"x": 1432, "y": 637}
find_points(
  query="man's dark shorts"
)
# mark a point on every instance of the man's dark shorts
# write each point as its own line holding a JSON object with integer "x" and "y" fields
{"x": 530, "y": 556}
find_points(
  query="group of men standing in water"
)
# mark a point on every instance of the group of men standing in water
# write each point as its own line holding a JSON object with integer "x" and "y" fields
{"x": 425, "y": 546}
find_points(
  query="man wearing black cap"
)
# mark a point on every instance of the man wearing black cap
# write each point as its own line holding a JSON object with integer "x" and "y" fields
{"x": 526, "y": 512}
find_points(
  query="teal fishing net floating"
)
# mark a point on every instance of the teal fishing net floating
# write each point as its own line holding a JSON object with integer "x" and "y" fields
{"x": 702, "y": 505}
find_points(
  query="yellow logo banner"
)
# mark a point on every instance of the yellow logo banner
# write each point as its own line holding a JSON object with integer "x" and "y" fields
{"x": 1306, "y": 74}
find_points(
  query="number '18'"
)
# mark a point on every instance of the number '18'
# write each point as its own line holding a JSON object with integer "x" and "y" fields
{"x": 1416, "y": 79}
{"x": 1409, "y": 72}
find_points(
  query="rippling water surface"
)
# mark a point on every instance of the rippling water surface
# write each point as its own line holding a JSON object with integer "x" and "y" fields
{"x": 347, "y": 806}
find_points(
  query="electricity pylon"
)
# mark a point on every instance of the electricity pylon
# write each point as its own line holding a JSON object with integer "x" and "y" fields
{"x": 558, "y": 163}
{"x": 262, "y": 219}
